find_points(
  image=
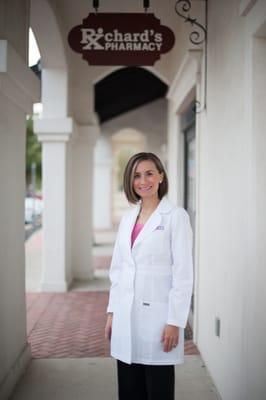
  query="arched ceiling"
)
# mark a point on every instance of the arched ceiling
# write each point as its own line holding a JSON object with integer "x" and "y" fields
{"x": 124, "y": 90}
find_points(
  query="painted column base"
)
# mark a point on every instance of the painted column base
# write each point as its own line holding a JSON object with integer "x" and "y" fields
{"x": 60, "y": 287}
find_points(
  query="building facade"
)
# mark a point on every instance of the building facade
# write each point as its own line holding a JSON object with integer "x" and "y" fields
{"x": 215, "y": 160}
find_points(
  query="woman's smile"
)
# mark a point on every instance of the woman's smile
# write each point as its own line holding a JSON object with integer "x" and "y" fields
{"x": 145, "y": 188}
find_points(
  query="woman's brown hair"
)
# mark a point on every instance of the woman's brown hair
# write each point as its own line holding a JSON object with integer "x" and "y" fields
{"x": 130, "y": 169}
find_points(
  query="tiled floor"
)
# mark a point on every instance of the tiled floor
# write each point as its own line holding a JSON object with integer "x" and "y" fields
{"x": 70, "y": 325}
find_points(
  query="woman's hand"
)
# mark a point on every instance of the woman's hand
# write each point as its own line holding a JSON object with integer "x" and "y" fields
{"x": 108, "y": 327}
{"x": 170, "y": 337}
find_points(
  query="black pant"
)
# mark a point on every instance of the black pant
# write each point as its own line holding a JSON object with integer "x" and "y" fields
{"x": 145, "y": 382}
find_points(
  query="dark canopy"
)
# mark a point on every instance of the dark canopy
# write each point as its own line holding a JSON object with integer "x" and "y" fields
{"x": 126, "y": 89}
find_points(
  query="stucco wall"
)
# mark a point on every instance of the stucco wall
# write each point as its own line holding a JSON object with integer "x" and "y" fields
{"x": 229, "y": 275}
{"x": 12, "y": 270}
{"x": 15, "y": 15}
{"x": 230, "y": 178}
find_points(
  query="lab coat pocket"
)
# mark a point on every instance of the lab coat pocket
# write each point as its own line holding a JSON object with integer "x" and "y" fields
{"x": 153, "y": 319}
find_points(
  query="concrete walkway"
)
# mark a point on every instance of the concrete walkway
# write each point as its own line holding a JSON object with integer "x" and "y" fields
{"x": 95, "y": 379}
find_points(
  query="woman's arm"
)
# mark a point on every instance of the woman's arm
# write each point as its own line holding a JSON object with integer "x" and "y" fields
{"x": 114, "y": 273}
{"x": 108, "y": 326}
{"x": 170, "y": 337}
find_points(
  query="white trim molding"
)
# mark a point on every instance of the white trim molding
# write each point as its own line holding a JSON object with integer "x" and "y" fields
{"x": 184, "y": 83}
{"x": 53, "y": 129}
{"x": 186, "y": 87}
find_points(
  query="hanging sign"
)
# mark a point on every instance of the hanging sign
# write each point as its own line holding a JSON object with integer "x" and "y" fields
{"x": 121, "y": 39}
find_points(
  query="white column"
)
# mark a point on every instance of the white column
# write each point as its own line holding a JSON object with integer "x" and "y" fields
{"x": 56, "y": 267}
{"x": 102, "y": 188}
{"x": 82, "y": 199}
{"x": 19, "y": 88}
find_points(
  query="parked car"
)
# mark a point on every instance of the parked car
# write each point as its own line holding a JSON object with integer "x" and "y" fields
{"x": 33, "y": 209}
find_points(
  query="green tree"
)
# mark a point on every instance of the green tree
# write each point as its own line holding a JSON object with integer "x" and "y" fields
{"x": 33, "y": 155}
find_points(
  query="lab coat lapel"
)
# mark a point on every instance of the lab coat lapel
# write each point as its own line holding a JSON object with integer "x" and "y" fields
{"x": 150, "y": 226}
{"x": 154, "y": 221}
{"x": 130, "y": 225}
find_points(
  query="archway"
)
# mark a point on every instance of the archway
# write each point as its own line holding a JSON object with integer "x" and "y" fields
{"x": 127, "y": 97}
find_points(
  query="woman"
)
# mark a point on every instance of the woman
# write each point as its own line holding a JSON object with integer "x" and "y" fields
{"x": 151, "y": 275}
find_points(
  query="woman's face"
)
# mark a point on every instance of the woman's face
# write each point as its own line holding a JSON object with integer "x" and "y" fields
{"x": 147, "y": 179}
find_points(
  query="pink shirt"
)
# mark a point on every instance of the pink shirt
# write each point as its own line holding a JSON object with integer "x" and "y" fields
{"x": 135, "y": 231}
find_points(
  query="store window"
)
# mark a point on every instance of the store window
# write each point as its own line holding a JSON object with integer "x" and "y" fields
{"x": 188, "y": 128}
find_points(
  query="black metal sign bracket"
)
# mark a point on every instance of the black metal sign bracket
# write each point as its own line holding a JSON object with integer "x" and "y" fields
{"x": 198, "y": 36}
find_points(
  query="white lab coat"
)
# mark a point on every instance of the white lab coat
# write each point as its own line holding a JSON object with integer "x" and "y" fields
{"x": 151, "y": 285}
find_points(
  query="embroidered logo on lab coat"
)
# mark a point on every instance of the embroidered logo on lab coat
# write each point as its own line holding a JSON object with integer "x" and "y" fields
{"x": 160, "y": 228}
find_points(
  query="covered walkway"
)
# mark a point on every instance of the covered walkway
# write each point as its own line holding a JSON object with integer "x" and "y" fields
{"x": 70, "y": 356}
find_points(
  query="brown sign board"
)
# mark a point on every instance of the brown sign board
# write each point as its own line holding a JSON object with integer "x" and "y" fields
{"x": 128, "y": 39}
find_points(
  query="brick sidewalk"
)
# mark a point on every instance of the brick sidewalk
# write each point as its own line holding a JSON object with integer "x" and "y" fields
{"x": 71, "y": 325}
{"x": 67, "y": 325}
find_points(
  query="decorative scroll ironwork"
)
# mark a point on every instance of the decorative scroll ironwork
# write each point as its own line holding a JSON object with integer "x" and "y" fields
{"x": 197, "y": 37}
{"x": 182, "y": 8}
